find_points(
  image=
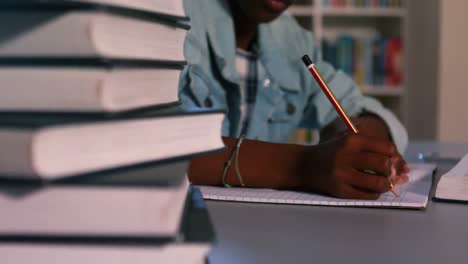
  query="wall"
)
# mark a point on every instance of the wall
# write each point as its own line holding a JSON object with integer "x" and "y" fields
{"x": 422, "y": 49}
{"x": 453, "y": 87}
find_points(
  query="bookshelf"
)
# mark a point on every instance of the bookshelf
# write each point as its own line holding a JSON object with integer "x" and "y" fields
{"x": 327, "y": 21}
{"x": 304, "y": 10}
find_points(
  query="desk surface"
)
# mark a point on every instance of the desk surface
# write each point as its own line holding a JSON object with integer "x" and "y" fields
{"x": 262, "y": 233}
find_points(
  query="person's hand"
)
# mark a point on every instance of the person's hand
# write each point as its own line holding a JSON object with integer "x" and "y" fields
{"x": 337, "y": 167}
{"x": 368, "y": 125}
{"x": 400, "y": 170}
{"x": 371, "y": 126}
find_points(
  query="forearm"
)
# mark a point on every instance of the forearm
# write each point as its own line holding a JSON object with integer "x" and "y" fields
{"x": 262, "y": 165}
{"x": 333, "y": 168}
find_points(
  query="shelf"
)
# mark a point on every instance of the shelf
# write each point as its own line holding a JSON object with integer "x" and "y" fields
{"x": 364, "y": 12}
{"x": 382, "y": 91}
{"x": 348, "y": 11}
{"x": 302, "y": 10}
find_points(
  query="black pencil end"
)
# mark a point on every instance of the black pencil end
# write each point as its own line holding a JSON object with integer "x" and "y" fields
{"x": 307, "y": 61}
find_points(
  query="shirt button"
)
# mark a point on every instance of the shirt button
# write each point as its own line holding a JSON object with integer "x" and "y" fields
{"x": 208, "y": 103}
{"x": 290, "y": 108}
{"x": 266, "y": 82}
{"x": 221, "y": 62}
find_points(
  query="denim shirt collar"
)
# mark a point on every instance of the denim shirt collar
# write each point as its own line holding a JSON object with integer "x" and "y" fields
{"x": 274, "y": 59}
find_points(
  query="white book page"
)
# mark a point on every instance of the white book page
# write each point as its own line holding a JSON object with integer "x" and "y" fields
{"x": 411, "y": 195}
{"x": 460, "y": 170}
{"x": 454, "y": 184}
{"x": 170, "y": 7}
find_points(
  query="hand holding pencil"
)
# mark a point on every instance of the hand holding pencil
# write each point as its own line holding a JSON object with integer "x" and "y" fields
{"x": 371, "y": 164}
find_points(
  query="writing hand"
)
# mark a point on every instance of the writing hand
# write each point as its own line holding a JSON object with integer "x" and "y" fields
{"x": 371, "y": 126}
{"x": 336, "y": 167}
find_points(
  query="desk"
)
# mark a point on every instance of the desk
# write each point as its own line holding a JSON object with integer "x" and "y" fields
{"x": 262, "y": 233}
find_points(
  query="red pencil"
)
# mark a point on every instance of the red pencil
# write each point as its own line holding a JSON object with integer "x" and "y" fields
{"x": 308, "y": 62}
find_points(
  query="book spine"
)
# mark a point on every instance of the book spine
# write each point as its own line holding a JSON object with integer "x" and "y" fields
{"x": 393, "y": 62}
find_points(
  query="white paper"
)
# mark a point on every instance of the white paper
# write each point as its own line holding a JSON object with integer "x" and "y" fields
{"x": 411, "y": 195}
{"x": 454, "y": 184}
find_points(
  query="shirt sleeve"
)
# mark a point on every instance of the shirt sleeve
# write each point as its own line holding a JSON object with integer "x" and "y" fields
{"x": 186, "y": 97}
{"x": 193, "y": 82}
{"x": 321, "y": 111}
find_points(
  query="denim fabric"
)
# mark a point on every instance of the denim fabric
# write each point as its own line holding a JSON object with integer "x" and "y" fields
{"x": 289, "y": 97}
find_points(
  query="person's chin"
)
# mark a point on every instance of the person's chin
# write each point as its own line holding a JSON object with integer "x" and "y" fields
{"x": 272, "y": 9}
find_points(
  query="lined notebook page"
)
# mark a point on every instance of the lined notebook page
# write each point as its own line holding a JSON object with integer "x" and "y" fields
{"x": 412, "y": 195}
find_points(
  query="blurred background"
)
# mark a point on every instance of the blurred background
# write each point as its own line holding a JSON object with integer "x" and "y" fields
{"x": 409, "y": 54}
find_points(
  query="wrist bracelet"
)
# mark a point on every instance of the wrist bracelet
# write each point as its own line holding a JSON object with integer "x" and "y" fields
{"x": 234, "y": 156}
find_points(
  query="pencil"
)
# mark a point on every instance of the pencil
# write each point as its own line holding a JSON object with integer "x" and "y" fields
{"x": 331, "y": 97}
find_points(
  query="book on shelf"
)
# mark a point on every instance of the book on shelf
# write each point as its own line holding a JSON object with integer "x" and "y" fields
{"x": 192, "y": 245}
{"x": 54, "y": 145}
{"x": 393, "y": 62}
{"x": 95, "y": 88}
{"x": 169, "y": 9}
{"x": 88, "y": 34}
{"x": 378, "y": 60}
{"x": 345, "y": 46}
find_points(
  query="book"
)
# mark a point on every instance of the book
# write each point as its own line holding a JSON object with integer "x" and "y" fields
{"x": 345, "y": 47}
{"x": 453, "y": 185}
{"x": 330, "y": 52}
{"x": 368, "y": 60}
{"x": 92, "y": 210}
{"x": 393, "y": 67}
{"x": 413, "y": 195}
{"x": 86, "y": 89}
{"x": 165, "y": 173}
{"x": 173, "y": 8}
{"x": 192, "y": 246}
{"x": 378, "y": 60}
{"x": 56, "y": 145}
{"x": 88, "y": 34}
{"x": 358, "y": 61}
{"x": 162, "y": 7}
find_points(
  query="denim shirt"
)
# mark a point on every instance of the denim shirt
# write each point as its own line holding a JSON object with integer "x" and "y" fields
{"x": 288, "y": 97}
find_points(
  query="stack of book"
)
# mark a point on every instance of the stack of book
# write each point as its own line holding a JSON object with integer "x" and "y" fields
{"x": 94, "y": 147}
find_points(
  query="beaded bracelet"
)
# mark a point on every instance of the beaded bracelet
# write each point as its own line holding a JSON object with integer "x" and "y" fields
{"x": 227, "y": 164}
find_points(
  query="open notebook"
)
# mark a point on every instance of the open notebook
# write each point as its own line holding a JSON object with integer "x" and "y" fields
{"x": 412, "y": 195}
{"x": 453, "y": 185}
